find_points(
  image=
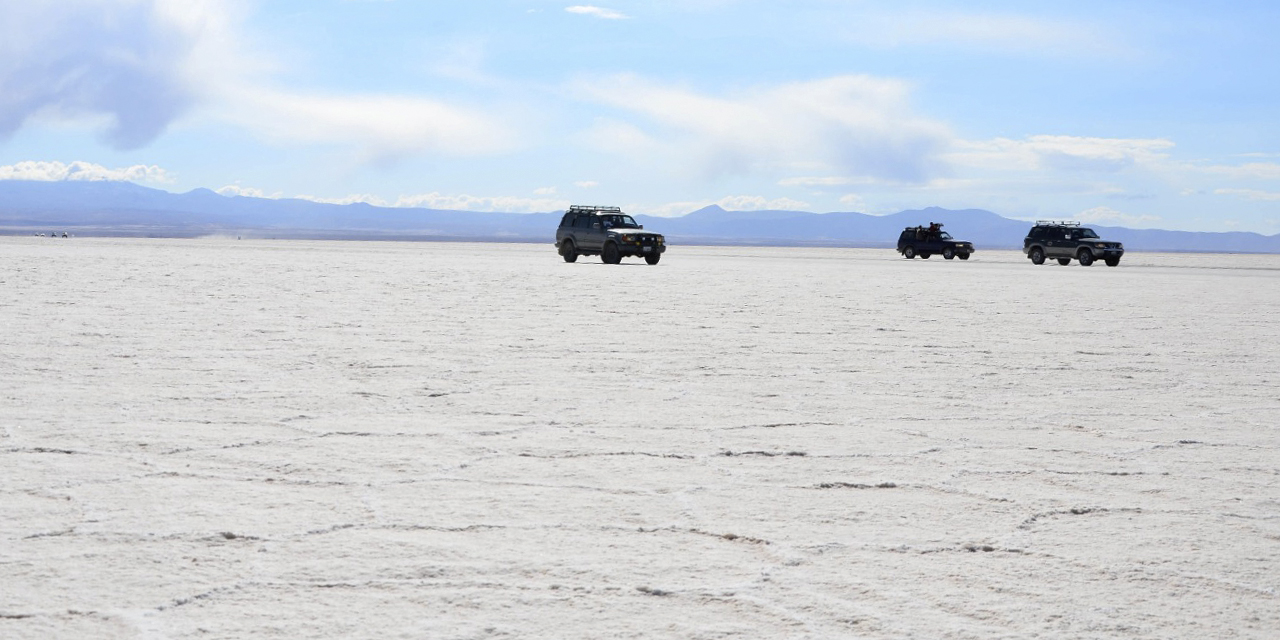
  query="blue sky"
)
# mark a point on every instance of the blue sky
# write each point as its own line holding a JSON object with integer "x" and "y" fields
{"x": 1143, "y": 114}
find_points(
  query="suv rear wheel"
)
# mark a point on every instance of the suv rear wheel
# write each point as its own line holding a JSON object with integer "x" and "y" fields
{"x": 568, "y": 251}
{"x": 1037, "y": 255}
{"x": 1085, "y": 257}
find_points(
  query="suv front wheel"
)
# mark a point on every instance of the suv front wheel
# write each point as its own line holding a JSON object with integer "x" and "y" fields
{"x": 610, "y": 255}
{"x": 1085, "y": 257}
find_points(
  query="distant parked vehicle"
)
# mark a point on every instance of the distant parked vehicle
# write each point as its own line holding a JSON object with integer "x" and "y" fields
{"x": 1064, "y": 241}
{"x": 607, "y": 232}
{"x": 930, "y": 240}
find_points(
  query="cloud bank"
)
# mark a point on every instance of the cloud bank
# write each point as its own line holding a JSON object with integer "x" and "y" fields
{"x": 597, "y": 12}
{"x": 852, "y": 125}
{"x": 131, "y": 68}
{"x": 118, "y": 63}
{"x": 381, "y": 127}
{"x": 57, "y": 171}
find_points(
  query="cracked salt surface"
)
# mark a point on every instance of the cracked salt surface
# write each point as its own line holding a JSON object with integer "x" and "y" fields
{"x": 212, "y": 438}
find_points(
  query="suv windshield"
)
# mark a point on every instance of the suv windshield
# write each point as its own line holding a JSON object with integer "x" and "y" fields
{"x": 616, "y": 221}
{"x": 945, "y": 236}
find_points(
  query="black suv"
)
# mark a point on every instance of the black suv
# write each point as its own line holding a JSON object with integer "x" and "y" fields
{"x": 926, "y": 241}
{"x": 1067, "y": 240}
{"x": 608, "y": 232}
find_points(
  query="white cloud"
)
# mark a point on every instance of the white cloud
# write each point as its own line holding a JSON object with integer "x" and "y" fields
{"x": 1248, "y": 171}
{"x": 620, "y": 137}
{"x": 1012, "y": 33}
{"x": 760, "y": 203}
{"x": 380, "y": 127}
{"x": 128, "y": 67}
{"x": 854, "y": 201}
{"x": 1109, "y": 215}
{"x": 1250, "y": 194}
{"x": 730, "y": 203}
{"x": 823, "y": 181}
{"x": 1063, "y": 153}
{"x": 669, "y": 209}
{"x": 586, "y": 184}
{"x": 464, "y": 202}
{"x": 597, "y": 12}
{"x": 854, "y": 125}
{"x": 544, "y": 191}
{"x": 54, "y": 171}
{"x": 132, "y": 68}
{"x": 349, "y": 199}
{"x": 248, "y": 192}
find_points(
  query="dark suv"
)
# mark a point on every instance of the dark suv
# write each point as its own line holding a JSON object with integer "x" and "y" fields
{"x": 926, "y": 241}
{"x": 607, "y": 232}
{"x": 1066, "y": 240}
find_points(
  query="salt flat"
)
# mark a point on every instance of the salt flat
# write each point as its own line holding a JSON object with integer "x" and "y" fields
{"x": 220, "y": 438}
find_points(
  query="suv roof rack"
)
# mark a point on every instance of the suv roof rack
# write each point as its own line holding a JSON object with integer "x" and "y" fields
{"x": 1057, "y": 223}
{"x": 583, "y": 208}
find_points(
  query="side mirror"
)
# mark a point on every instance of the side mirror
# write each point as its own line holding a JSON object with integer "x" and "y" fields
{"x": 641, "y": 226}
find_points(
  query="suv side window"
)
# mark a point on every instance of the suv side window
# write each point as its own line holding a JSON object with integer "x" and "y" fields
{"x": 582, "y": 222}
{"x": 566, "y": 220}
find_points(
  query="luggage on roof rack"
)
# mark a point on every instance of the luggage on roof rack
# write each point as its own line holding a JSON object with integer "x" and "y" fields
{"x": 1057, "y": 223}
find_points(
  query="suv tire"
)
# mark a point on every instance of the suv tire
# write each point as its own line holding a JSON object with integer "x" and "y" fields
{"x": 568, "y": 251}
{"x": 1112, "y": 262}
{"x": 1085, "y": 257}
{"x": 909, "y": 252}
{"x": 653, "y": 258}
{"x": 610, "y": 254}
{"x": 1064, "y": 261}
{"x": 1037, "y": 255}
{"x": 948, "y": 253}
{"x": 962, "y": 256}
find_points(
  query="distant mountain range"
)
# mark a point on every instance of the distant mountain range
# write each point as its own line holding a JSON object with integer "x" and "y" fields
{"x": 123, "y": 208}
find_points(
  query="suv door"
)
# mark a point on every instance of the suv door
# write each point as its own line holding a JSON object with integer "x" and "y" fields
{"x": 590, "y": 232}
{"x": 1053, "y": 241}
